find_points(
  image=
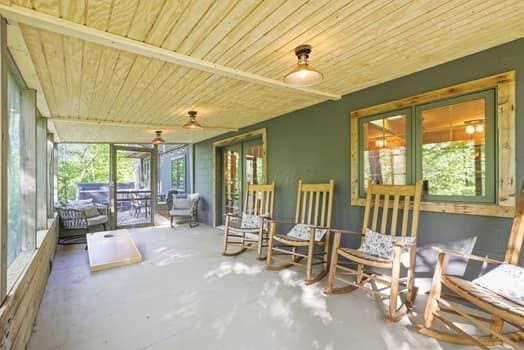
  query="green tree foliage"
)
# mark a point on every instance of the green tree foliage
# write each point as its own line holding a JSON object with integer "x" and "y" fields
{"x": 87, "y": 163}
{"x": 449, "y": 168}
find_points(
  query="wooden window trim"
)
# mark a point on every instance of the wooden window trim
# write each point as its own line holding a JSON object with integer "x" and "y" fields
{"x": 504, "y": 84}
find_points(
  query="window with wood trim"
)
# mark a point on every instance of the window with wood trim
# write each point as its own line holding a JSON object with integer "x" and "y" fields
{"x": 459, "y": 141}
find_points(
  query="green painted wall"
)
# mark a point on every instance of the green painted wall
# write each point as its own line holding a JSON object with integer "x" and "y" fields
{"x": 313, "y": 144}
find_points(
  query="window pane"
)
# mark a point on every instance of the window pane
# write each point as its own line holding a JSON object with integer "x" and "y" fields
{"x": 83, "y": 172}
{"x": 254, "y": 163}
{"x": 453, "y": 149}
{"x": 385, "y": 150}
{"x": 178, "y": 174}
{"x": 14, "y": 199}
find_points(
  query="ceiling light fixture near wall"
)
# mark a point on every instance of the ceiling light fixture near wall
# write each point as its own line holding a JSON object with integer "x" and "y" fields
{"x": 303, "y": 74}
{"x": 158, "y": 140}
{"x": 192, "y": 124}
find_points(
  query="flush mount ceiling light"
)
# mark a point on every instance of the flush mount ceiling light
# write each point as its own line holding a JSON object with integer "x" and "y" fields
{"x": 158, "y": 140}
{"x": 303, "y": 74}
{"x": 192, "y": 124}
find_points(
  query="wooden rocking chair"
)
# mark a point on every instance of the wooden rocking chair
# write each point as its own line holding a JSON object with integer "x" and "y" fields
{"x": 379, "y": 198}
{"x": 504, "y": 323}
{"x": 314, "y": 207}
{"x": 259, "y": 202}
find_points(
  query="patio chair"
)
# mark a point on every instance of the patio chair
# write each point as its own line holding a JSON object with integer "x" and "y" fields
{"x": 251, "y": 227}
{"x": 384, "y": 250}
{"x": 495, "y": 300}
{"x": 76, "y": 221}
{"x": 310, "y": 232}
{"x": 184, "y": 208}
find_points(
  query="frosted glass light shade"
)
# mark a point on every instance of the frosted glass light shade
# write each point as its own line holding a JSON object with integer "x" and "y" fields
{"x": 158, "y": 140}
{"x": 303, "y": 75}
{"x": 192, "y": 125}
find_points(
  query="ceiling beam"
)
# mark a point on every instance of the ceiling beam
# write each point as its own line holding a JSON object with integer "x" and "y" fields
{"x": 53, "y": 24}
{"x": 130, "y": 124}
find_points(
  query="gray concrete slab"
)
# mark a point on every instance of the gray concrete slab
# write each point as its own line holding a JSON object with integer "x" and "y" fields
{"x": 185, "y": 295}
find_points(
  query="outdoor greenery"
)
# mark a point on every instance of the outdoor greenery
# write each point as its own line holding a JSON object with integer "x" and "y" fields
{"x": 449, "y": 168}
{"x": 87, "y": 163}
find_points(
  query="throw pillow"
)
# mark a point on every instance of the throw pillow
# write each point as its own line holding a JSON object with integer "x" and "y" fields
{"x": 380, "y": 245}
{"x": 301, "y": 231}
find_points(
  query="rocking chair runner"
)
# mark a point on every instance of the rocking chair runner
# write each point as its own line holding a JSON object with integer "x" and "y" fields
{"x": 504, "y": 323}
{"x": 259, "y": 206}
{"x": 314, "y": 207}
{"x": 379, "y": 198}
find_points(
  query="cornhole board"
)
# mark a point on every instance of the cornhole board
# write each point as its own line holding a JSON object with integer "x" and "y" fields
{"x": 111, "y": 249}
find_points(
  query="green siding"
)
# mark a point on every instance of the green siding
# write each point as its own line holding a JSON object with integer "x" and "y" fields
{"x": 313, "y": 144}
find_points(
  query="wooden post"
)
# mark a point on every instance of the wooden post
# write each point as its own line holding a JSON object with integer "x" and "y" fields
{"x": 4, "y": 123}
{"x": 41, "y": 173}
{"x": 28, "y": 165}
{"x": 50, "y": 166}
{"x": 154, "y": 182}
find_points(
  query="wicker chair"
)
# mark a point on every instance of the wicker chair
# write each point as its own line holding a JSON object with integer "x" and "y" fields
{"x": 183, "y": 208}
{"x": 76, "y": 222}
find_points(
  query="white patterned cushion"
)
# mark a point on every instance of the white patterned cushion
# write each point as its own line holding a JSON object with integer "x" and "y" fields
{"x": 301, "y": 231}
{"x": 381, "y": 245}
{"x": 506, "y": 280}
{"x": 252, "y": 221}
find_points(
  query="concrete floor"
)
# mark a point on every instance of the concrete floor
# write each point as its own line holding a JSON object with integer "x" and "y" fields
{"x": 185, "y": 295}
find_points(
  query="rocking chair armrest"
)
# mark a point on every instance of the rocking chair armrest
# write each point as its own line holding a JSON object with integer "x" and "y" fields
{"x": 466, "y": 256}
{"x": 346, "y": 232}
{"x": 284, "y": 222}
{"x": 232, "y": 215}
{"x": 405, "y": 244}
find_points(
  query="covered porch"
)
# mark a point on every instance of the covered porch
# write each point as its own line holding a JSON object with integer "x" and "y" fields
{"x": 213, "y": 174}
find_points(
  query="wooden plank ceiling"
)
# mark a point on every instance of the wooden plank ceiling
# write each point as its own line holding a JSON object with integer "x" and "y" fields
{"x": 356, "y": 44}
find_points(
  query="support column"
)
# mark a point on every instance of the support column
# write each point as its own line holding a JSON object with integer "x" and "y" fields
{"x": 4, "y": 123}
{"x": 28, "y": 165}
{"x": 41, "y": 173}
{"x": 50, "y": 166}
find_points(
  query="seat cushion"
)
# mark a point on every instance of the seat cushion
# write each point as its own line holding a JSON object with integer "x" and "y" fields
{"x": 506, "y": 280}
{"x": 180, "y": 212}
{"x": 301, "y": 232}
{"x": 485, "y": 295}
{"x": 97, "y": 220}
{"x": 379, "y": 244}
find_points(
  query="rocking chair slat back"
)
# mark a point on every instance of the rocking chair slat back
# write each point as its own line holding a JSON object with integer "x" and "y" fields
{"x": 315, "y": 203}
{"x": 516, "y": 236}
{"x": 259, "y": 199}
{"x": 386, "y": 200}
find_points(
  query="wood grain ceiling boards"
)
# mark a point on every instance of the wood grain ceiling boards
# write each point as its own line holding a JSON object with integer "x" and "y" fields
{"x": 356, "y": 44}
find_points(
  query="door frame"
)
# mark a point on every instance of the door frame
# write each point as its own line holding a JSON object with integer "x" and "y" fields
{"x": 113, "y": 178}
{"x": 217, "y": 164}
